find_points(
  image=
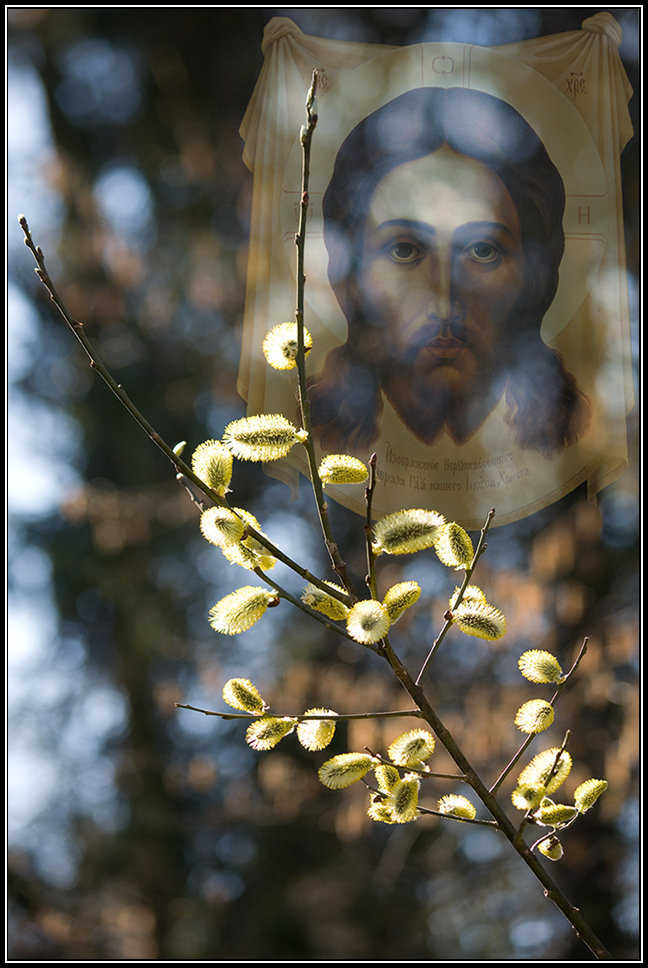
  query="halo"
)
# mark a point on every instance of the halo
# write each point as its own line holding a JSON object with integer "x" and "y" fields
{"x": 552, "y": 116}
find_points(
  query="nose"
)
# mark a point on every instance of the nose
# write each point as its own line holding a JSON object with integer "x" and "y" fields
{"x": 442, "y": 305}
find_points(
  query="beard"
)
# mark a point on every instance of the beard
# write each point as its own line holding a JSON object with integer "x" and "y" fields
{"x": 452, "y": 393}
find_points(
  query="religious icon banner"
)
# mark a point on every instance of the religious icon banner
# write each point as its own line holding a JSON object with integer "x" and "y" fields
{"x": 465, "y": 266}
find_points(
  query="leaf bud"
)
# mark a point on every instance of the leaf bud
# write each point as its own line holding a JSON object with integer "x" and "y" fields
{"x": 326, "y": 604}
{"x": 265, "y": 437}
{"x": 551, "y": 848}
{"x": 402, "y": 802}
{"x": 454, "y": 547}
{"x": 586, "y": 795}
{"x": 342, "y": 469}
{"x": 539, "y": 666}
{"x": 400, "y": 597}
{"x": 241, "y": 694}
{"x": 280, "y": 346}
{"x": 541, "y": 768}
{"x": 480, "y": 620}
{"x": 404, "y": 532}
{"x": 412, "y": 748}
{"x": 454, "y": 805}
{"x": 239, "y": 611}
{"x": 265, "y": 732}
{"x": 345, "y": 769}
{"x": 212, "y": 462}
{"x": 368, "y": 621}
{"x": 316, "y": 734}
{"x": 534, "y": 716}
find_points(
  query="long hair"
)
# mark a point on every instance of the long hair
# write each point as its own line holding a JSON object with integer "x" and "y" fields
{"x": 346, "y": 401}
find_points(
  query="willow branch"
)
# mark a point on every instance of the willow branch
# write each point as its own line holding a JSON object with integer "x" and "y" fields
{"x": 491, "y": 803}
{"x": 306, "y": 138}
{"x": 182, "y": 469}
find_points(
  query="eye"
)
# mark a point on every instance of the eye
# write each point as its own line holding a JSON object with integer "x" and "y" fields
{"x": 483, "y": 252}
{"x": 404, "y": 252}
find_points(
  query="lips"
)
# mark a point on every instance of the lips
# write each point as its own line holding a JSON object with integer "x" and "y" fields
{"x": 445, "y": 349}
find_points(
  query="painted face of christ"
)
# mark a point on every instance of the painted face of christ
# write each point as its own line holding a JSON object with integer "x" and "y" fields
{"x": 443, "y": 225}
{"x": 442, "y": 267}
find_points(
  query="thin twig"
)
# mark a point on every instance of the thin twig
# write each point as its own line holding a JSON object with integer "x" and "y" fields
{"x": 306, "y": 138}
{"x": 371, "y": 557}
{"x": 415, "y": 769}
{"x": 435, "y": 813}
{"x": 481, "y": 548}
{"x": 309, "y": 611}
{"x": 552, "y": 702}
{"x": 333, "y": 717}
{"x": 449, "y": 816}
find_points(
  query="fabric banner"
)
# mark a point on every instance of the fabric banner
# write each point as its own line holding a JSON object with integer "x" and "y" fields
{"x": 466, "y": 286}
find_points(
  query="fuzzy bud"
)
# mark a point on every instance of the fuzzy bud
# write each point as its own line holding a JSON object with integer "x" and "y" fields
{"x": 551, "y": 848}
{"x": 386, "y": 777}
{"x": 402, "y": 802}
{"x": 265, "y": 437}
{"x": 239, "y": 611}
{"x": 554, "y": 814}
{"x": 454, "y": 547}
{"x": 368, "y": 621}
{"x": 379, "y": 810}
{"x": 454, "y": 805}
{"x": 342, "y": 469}
{"x": 267, "y": 731}
{"x": 534, "y": 716}
{"x": 538, "y": 666}
{"x": 527, "y": 796}
{"x": 540, "y": 768}
{"x": 586, "y": 795}
{"x": 241, "y": 694}
{"x": 345, "y": 769}
{"x": 316, "y": 734}
{"x": 248, "y": 552}
{"x": 280, "y": 346}
{"x": 404, "y": 532}
{"x": 412, "y": 748}
{"x": 399, "y": 597}
{"x": 480, "y": 620}
{"x": 212, "y": 463}
{"x": 221, "y": 526}
{"x": 326, "y": 604}
{"x": 472, "y": 593}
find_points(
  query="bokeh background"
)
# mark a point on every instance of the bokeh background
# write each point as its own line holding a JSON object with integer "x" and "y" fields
{"x": 138, "y": 831}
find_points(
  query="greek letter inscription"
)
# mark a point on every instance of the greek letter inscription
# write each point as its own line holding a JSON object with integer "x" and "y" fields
{"x": 322, "y": 79}
{"x": 443, "y": 65}
{"x": 576, "y": 83}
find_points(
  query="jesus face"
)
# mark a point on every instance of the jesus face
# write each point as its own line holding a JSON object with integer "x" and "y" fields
{"x": 442, "y": 269}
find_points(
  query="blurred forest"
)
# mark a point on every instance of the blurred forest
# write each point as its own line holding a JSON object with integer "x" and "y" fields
{"x": 141, "y": 832}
